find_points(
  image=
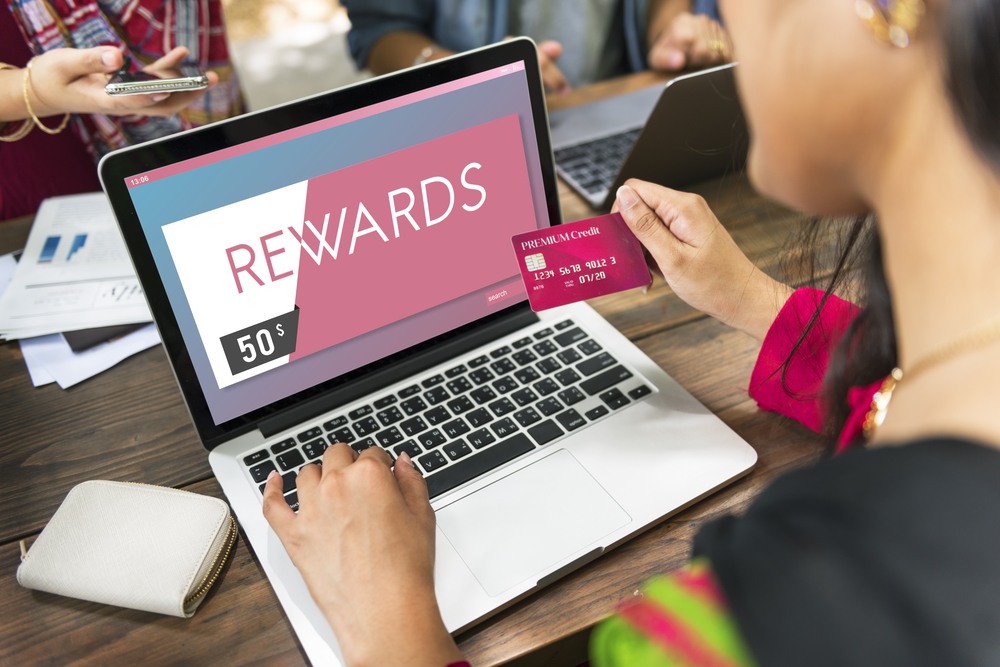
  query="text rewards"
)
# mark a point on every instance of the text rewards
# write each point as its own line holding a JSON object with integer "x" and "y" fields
{"x": 438, "y": 199}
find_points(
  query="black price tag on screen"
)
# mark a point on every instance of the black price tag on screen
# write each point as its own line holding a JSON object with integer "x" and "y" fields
{"x": 261, "y": 343}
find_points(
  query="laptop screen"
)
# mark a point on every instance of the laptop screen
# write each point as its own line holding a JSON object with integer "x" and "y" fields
{"x": 299, "y": 256}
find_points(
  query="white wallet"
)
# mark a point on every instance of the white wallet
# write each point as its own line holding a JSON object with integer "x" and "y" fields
{"x": 131, "y": 545}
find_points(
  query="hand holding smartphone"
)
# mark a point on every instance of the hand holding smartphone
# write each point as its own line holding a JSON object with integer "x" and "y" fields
{"x": 124, "y": 82}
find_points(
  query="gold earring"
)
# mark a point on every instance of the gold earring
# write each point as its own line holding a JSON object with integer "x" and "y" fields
{"x": 891, "y": 21}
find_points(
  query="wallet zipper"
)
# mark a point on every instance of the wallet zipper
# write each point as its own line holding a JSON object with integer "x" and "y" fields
{"x": 216, "y": 569}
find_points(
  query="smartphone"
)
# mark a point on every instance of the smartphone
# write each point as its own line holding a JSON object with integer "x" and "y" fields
{"x": 124, "y": 82}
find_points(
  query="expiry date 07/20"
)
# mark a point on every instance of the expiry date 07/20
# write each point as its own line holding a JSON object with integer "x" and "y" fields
{"x": 591, "y": 277}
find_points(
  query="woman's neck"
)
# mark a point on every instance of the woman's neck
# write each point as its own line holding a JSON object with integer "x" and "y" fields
{"x": 939, "y": 218}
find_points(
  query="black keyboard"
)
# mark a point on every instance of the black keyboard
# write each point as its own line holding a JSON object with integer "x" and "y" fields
{"x": 593, "y": 165}
{"x": 473, "y": 416}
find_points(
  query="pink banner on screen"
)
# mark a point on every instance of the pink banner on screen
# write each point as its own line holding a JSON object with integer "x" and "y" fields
{"x": 411, "y": 230}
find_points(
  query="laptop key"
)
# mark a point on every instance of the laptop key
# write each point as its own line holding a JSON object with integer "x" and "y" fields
{"x": 389, "y": 416}
{"x": 502, "y": 366}
{"x": 549, "y": 406}
{"x": 284, "y": 445}
{"x": 567, "y": 376}
{"x": 548, "y": 365}
{"x": 260, "y": 471}
{"x": 614, "y": 398}
{"x": 256, "y": 457}
{"x": 524, "y": 397}
{"x": 570, "y": 337}
{"x": 406, "y": 392}
{"x": 344, "y": 435}
{"x": 358, "y": 413}
{"x": 436, "y": 395}
{"x": 545, "y": 348}
{"x": 524, "y": 357}
{"x": 481, "y": 375}
{"x": 431, "y": 461}
{"x": 366, "y": 426}
{"x": 293, "y": 500}
{"x": 500, "y": 351}
{"x": 594, "y": 364}
{"x": 473, "y": 466}
{"x": 571, "y": 395}
{"x": 479, "y": 361}
{"x": 571, "y": 419}
{"x": 437, "y": 415}
{"x": 505, "y": 384}
{"x": 479, "y": 417}
{"x": 289, "y": 460}
{"x": 504, "y": 427}
{"x": 412, "y": 406}
{"x": 480, "y": 438}
{"x": 589, "y": 347}
{"x": 545, "y": 432}
{"x": 527, "y": 375}
{"x": 335, "y": 423}
{"x": 596, "y": 413}
{"x": 502, "y": 407}
{"x": 527, "y": 417}
{"x": 432, "y": 381}
{"x": 601, "y": 381}
{"x": 312, "y": 433}
{"x": 545, "y": 387}
{"x": 543, "y": 333}
{"x": 640, "y": 391}
{"x": 455, "y": 428}
{"x": 565, "y": 324}
{"x": 411, "y": 448}
{"x": 314, "y": 449}
{"x": 461, "y": 404}
{"x": 389, "y": 437}
{"x": 521, "y": 342}
{"x": 431, "y": 439}
{"x": 569, "y": 356}
{"x": 385, "y": 402}
{"x": 413, "y": 426}
{"x": 483, "y": 395}
{"x": 456, "y": 450}
{"x": 459, "y": 386}
{"x": 455, "y": 371}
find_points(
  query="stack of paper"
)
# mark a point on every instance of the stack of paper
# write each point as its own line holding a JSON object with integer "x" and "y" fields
{"x": 74, "y": 273}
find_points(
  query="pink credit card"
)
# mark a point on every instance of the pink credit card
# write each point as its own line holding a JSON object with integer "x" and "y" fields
{"x": 579, "y": 260}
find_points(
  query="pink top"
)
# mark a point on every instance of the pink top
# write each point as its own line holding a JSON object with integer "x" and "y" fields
{"x": 796, "y": 390}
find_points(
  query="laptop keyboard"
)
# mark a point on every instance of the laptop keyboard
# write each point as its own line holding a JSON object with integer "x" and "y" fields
{"x": 474, "y": 416}
{"x": 593, "y": 165}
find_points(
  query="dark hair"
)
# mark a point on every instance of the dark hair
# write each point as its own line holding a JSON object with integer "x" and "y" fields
{"x": 970, "y": 45}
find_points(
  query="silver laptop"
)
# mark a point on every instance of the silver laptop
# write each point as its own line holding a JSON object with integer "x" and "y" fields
{"x": 340, "y": 269}
{"x": 678, "y": 134}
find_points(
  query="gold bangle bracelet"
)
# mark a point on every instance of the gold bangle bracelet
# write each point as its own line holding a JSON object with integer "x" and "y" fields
{"x": 21, "y": 132}
{"x": 27, "y": 103}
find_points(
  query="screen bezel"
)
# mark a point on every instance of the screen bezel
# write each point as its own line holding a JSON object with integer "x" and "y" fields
{"x": 115, "y": 167}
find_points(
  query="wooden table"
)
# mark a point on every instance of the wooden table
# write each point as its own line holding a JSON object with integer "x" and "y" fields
{"x": 129, "y": 423}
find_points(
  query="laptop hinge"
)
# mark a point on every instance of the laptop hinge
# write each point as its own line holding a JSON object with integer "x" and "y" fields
{"x": 398, "y": 371}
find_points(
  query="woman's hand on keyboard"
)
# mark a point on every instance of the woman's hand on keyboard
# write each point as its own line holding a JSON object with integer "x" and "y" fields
{"x": 363, "y": 540}
{"x": 699, "y": 259}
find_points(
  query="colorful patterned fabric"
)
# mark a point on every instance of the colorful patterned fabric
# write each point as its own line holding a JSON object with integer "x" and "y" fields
{"x": 680, "y": 620}
{"x": 144, "y": 30}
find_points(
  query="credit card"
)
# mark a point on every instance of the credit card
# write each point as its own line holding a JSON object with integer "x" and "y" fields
{"x": 579, "y": 260}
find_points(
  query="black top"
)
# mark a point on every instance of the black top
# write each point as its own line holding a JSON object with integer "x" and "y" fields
{"x": 889, "y": 556}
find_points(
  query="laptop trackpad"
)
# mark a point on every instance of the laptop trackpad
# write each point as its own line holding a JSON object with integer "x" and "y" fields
{"x": 521, "y": 525}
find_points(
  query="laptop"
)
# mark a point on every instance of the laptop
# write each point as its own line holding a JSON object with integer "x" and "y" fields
{"x": 339, "y": 268}
{"x": 679, "y": 134}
